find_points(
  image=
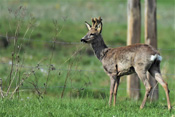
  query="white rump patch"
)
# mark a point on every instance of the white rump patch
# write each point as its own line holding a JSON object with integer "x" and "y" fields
{"x": 156, "y": 56}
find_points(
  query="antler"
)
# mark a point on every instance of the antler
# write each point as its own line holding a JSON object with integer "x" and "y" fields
{"x": 96, "y": 22}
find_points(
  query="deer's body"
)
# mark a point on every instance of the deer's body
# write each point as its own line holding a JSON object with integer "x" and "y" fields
{"x": 137, "y": 58}
{"x": 123, "y": 60}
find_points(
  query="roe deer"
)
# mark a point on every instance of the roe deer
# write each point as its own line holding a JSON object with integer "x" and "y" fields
{"x": 137, "y": 58}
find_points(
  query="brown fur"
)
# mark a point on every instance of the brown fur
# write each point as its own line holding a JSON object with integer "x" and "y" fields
{"x": 137, "y": 58}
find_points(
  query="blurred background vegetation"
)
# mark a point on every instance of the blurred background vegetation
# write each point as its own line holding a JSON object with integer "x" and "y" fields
{"x": 39, "y": 22}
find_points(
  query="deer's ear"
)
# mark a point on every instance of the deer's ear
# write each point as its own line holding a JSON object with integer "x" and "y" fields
{"x": 99, "y": 27}
{"x": 88, "y": 25}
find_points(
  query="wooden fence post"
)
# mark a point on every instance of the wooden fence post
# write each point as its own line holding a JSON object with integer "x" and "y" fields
{"x": 151, "y": 38}
{"x": 133, "y": 36}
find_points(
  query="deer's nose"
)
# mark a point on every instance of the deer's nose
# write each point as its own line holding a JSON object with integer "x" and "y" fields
{"x": 83, "y": 40}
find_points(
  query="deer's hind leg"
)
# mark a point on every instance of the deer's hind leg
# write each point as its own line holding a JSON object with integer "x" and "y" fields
{"x": 155, "y": 72}
{"x": 143, "y": 77}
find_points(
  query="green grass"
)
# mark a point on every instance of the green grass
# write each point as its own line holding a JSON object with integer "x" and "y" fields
{"x": 87, "y": 88}
{"x": 80, "y": 107}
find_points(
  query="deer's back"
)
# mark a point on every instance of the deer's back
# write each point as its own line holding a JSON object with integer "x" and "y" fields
{"x": 125, "y": 58}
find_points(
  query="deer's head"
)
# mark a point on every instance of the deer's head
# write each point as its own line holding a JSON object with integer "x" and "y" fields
{"x": 93, "y": 31}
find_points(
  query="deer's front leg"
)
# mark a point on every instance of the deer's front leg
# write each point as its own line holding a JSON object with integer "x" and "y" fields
{"x": 112, "y": 80}
{"x": 116, "y": 88}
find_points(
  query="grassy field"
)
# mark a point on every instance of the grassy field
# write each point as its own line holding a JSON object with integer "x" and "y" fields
{"x": 40, "y": 62}
{"x": 79, "y": 107}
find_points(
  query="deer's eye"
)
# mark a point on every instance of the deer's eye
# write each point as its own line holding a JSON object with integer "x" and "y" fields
{"x": 92, "y": 34}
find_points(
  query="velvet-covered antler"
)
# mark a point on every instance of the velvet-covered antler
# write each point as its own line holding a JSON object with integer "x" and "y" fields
{"x": 97, "y": 24}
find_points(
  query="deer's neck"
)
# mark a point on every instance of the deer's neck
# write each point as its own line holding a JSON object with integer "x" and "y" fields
{"x": 99, "y": 47}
